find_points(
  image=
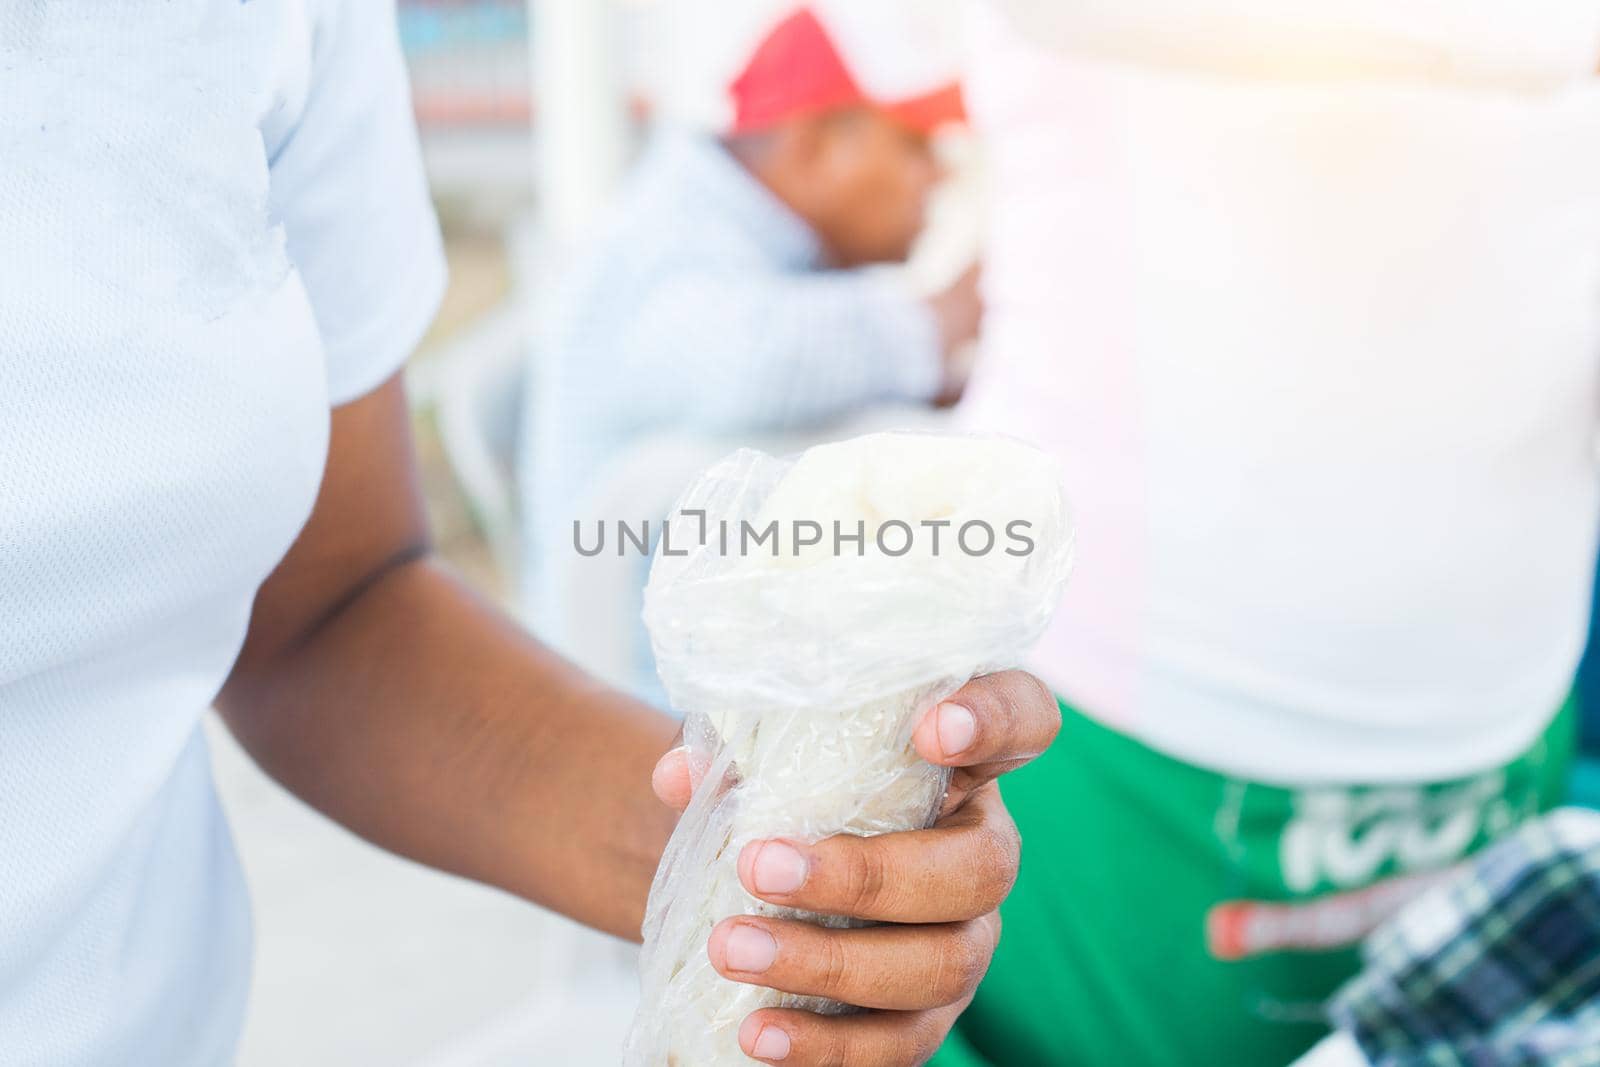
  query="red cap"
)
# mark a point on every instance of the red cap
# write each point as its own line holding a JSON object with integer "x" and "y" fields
{"x": 798, "y": 69}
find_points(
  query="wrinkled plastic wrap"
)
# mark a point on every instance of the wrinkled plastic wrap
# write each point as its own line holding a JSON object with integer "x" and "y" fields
{"x": 803, "y": 668}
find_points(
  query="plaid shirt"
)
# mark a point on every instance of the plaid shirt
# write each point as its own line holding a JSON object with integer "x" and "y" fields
{"x": 1498, "y": 967}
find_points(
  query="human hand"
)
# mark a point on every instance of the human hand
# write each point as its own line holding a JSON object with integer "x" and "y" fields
{"x": 935, "y": 893}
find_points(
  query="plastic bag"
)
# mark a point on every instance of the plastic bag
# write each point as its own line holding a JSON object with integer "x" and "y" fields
{"x": 804, "y": 614}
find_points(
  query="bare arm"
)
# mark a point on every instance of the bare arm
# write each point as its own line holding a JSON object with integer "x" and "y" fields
{"x": 377, "y": 687}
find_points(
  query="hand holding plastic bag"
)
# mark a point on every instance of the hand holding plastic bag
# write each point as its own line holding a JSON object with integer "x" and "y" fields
{"x": 805, "y": 615}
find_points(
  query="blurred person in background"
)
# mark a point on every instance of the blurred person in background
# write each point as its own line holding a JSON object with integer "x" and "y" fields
{"x": 1306, "y": 298}
{"x": 219, "y": 250}
{"x": 729, "y": 294}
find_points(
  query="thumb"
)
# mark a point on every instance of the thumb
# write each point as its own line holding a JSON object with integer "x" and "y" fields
{"x": 673, "y": 779}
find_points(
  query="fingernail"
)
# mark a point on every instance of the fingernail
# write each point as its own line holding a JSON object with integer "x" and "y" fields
{"x": 667, "y": 766}
{"x": 749, "y": 949}
{"x": 957, "y": 727}
{"x": 771, "y": 1044}
{"x": 778, "y": 868}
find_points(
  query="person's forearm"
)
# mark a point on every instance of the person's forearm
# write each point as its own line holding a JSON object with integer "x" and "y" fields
{"x": 847, "y": 339}
{"x": 777, "y": 356}
{"x": 421, "y": 719}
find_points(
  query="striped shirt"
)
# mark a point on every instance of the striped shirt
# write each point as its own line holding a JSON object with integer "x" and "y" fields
{"x": 704, "y": 306}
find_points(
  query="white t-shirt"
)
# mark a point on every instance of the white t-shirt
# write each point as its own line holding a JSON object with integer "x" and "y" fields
{"x": 1319, "y": 351}
{"x": 213, "y": 226}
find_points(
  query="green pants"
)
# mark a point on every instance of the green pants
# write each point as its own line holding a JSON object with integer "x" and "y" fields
{"x": 1167, "y": 914}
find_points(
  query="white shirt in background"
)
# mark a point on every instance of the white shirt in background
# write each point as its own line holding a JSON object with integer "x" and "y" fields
{"x": 1319, "y": 351}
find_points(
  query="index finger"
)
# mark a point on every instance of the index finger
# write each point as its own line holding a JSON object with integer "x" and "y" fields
{"x": 990, "y": 725}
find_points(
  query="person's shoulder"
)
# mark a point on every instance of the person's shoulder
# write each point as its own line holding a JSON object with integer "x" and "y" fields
{"x": 667, "y": 190}
{"x": 668, "y": 218}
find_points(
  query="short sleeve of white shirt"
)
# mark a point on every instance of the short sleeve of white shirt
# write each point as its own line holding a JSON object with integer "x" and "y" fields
{"x": 212, "y": 221}
{"x": 347, "y": 185}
